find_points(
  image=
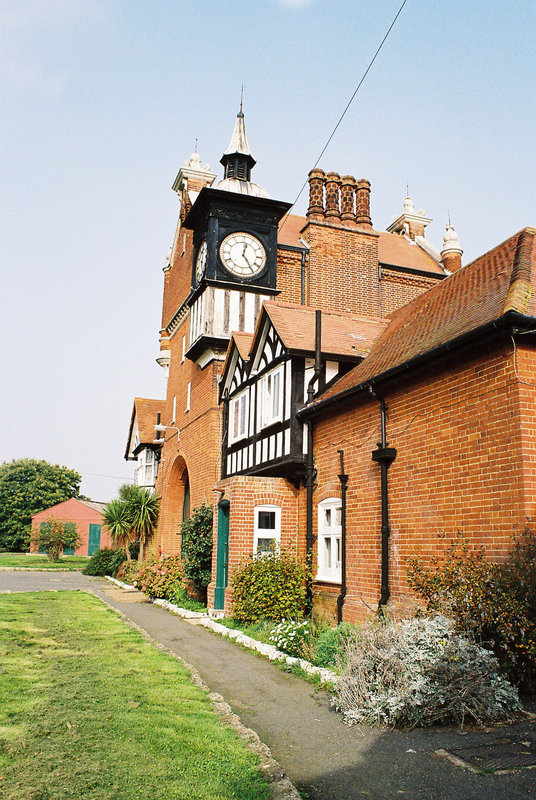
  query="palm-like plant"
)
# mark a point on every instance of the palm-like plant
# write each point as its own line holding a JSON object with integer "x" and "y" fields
{"x": 144, "y": 508}
{"x": 118, "y": 520}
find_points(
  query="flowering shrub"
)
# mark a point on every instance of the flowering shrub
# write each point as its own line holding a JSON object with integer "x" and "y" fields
{"x": 105, "y": 561}
{"x": 128, "y": 572}
{"x": 269, "y": 587}
{"x": 291, "y": 636}
{"x": 496, "y": 602}
{"x": 420, "y": 672}
{"x": 159, "y": 579}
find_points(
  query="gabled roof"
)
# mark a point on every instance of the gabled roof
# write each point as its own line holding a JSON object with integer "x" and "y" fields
{"x": 289, "y": 230}
{"x": 502, "y": 280}
{"x": 144, "y": 413}
{"x": 345, "y": 335}
{"x": 96, "y": 505}
{"x": 243, "y": 343}
{"x": 397, "y": 251}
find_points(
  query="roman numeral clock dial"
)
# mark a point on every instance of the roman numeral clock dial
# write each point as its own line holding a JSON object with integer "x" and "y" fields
{"x": 242, "y": 255}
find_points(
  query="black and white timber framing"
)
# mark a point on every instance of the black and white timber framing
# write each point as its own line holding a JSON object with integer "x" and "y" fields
{"x": 261, "y": 396}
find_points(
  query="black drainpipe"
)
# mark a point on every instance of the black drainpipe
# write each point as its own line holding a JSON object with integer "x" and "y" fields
{"x": 343, "y": 477}
{"x": 310, "y": 472}
{"x": 385, "y": 456}
{"x": 303, "y": 257}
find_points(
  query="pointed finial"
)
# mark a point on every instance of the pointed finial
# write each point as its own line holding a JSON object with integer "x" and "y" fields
{"x": 196, "y": 140}
{"x": 241, "y": 98}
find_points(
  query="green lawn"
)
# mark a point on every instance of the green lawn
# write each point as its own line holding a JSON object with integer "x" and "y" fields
{"x": 41, "y": 561}
{"x": 88, "y": 709}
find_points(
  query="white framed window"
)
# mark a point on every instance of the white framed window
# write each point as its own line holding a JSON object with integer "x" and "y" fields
{"x": 238, "y": 416}
{"x": 329, "y": 540}
{"x": 146, "y": 469}
{"x": 183, "y": 348}
{"x": 188, "y": 395}
{"x": 267, "y": 532}
{"x": 270, "y": 397}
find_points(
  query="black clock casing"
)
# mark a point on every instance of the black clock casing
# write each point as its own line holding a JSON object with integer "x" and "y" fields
{"x": 215, "y": 215}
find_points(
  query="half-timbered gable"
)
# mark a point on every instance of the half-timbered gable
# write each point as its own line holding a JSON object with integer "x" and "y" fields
{"x": 263, "y": 389}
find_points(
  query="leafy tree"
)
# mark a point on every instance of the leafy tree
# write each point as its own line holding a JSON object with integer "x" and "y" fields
{"x": 26, "y": 487}
{"x": 196, "y": 549}
{"x": 117, "y": 518}
{"x": 56, "y": 534}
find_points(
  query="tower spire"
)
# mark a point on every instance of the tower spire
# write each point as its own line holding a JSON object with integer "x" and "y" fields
{"x": 237, "y": 160}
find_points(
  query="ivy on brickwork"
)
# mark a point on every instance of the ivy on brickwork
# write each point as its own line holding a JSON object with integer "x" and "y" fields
{"x": 196, "y": 547}
{"x": 495, "y": 602}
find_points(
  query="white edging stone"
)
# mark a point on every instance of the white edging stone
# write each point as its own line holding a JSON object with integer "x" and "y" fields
{"x": 264, "y": 649}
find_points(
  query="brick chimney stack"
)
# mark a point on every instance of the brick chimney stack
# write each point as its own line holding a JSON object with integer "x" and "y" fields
{"x": 347, "y": 199}
{"x": 451, "y": 254}
{"x": 316, "y": 194}
{"x": 362, "y": 203}
{"x": 333, "y": 181}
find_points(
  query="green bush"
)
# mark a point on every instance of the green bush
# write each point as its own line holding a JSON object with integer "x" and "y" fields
{"x": 160, "y": 579}
{"x": 105, "y": 561}
{"x": 196, "y": 549}
{"x": 331, "y": 645}
{"x": 269, "y": 587}
{"x": 420, "y": 672}
{"x": 496, "y": 602}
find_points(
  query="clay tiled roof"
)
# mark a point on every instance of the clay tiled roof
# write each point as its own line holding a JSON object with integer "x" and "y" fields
{"x": 145, "y": 412}
{"x": 396, "y": 250}
{"x": 502, "y": 280}
{"x": 243, "y": 344}
{"x": 342, "y": 334}
{"x": 289, "y": 230}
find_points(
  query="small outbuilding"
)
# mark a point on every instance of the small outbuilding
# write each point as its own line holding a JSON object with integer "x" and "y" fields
{"x": 86, "y": 515}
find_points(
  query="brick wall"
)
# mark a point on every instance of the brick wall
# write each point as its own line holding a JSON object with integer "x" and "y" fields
{"x": 400, "y": 288}
{"x": 466, "y": 442}
{"x": 244, "y": 493}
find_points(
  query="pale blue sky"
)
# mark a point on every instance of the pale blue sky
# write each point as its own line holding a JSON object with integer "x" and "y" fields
{"x": 102, "y": 101}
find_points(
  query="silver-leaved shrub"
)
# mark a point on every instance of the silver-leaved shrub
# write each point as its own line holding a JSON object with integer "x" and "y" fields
{"x": 420, "y": 672}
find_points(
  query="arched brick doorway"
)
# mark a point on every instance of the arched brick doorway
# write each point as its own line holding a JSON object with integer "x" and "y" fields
{"x": 177, "y": 508}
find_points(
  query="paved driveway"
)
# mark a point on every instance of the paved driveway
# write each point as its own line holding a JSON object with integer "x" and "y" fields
{"x": 323, "y": 757}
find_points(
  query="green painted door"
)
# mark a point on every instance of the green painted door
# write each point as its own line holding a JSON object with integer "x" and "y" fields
{"x": 70, "y": 527}
{"x": 94, "y": 538}
{"x": 222, "y": 556}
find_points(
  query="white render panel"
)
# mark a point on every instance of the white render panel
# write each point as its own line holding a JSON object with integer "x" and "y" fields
{"x": 332, "y": 368}
{"x": 251, "y": 459}
{"x": 265, "y": 449}
{"x": 219, "y": 314}
{"x": 259, "y": 452}
{"x": 233, "y": 462}
{"x": 279, "y": 446}
{"x": 287, "y": 441}
{"x": 229, "y": 465}
{"x": 234, "y": 311}
{"x": 308, "y": 374}
{"x": 271, "y": 454}
{"x": 305, "y": 438}
{"x": 249, "y": 323}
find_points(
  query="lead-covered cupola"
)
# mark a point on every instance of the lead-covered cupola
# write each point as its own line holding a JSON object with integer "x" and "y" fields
{"x": 237, "y": 162}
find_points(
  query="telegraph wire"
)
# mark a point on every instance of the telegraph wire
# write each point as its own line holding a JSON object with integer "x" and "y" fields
{"x": 391, "y": 26}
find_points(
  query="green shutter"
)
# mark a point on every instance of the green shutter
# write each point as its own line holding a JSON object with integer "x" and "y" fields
{"x": 70, "y": 527}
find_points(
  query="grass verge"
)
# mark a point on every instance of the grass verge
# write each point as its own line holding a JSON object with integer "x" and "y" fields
{"x": 23, "y": 560}
{"x": 89, "y": 709}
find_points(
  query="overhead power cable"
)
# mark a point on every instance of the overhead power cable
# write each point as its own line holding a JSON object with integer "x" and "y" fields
{"x": 391, "y": 26}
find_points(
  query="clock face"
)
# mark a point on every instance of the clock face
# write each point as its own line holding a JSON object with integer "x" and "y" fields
{"x": 201, "y": 260}
{"x": 242, "y": 254}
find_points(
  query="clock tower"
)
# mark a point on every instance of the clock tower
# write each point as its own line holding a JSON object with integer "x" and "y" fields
{"x": 234, "y": 265}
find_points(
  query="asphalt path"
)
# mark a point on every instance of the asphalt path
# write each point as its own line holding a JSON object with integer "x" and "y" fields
{"x": 325, "y": 759}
